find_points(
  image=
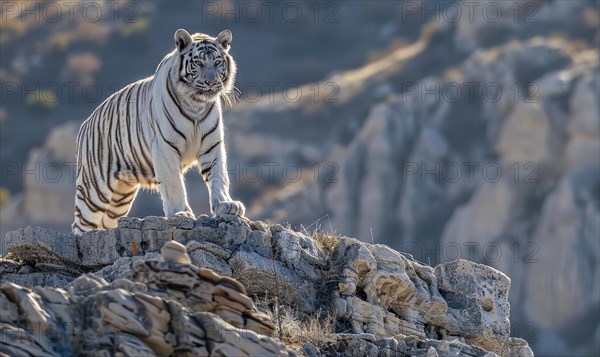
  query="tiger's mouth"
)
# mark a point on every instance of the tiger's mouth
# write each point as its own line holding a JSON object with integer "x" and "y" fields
{"x": 209, "y": 91}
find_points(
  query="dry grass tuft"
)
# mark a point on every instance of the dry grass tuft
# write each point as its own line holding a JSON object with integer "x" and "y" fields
{"x": 295, "y": 330}
{"x": 327, "y": 240}
{"x": 316, "y": 329}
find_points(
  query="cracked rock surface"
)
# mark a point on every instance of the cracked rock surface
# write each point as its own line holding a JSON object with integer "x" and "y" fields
{"x": 178, "y": 286}
{"x": 164, "y": 307}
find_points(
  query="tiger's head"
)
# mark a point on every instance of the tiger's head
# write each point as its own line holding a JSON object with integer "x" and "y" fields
{"x": 205, "y": 64}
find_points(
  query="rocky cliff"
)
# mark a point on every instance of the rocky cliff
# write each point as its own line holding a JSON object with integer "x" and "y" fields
{"x": 230, "y": 286}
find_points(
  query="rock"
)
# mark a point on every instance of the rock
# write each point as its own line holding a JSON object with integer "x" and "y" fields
{"x": 309, "y": 350}
{"x": 56, "y": 250}
{"x": 566, "y": 239}
{"x": 215, "y": 249}
{"x": 175, "y": 252}
{"x": 99, "y": 247}
{"x": 205, "y": 259}
{"x": 528, "y": 136}
{"x": 484, "y": 219}
{"x": 477, "y": 298}
{"x": 55, "y": 280}
{"x": 392, "y": 294}
{"x": 519, "y": 348}
{"x": 202, "y": 314}
{"x": 261, "y": 274}
{"x": 386, "y": 302}
{"x": 121, "y": 267}
{"x": 584, "y": 128}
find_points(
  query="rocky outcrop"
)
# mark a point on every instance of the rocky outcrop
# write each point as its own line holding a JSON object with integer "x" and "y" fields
{"x": 111, "y": 285}
{"x": 161, "y": 308}
{"x": 510, "y": 182}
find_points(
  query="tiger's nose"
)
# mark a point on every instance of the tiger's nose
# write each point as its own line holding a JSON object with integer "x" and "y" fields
{"x": 210, "y": 83}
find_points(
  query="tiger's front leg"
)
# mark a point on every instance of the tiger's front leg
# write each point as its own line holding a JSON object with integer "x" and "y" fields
{"x": 213, "y": 168}
{"x": 166, "y": 162}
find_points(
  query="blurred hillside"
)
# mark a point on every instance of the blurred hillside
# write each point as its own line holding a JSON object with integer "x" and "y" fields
{"x": 444, "y": 131}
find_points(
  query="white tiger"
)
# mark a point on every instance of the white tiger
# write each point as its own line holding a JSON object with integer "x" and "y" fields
{"x": 150, "y": 132}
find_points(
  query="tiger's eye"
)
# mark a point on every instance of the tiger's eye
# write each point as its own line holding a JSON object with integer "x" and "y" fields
{"x": 217, "y": 62}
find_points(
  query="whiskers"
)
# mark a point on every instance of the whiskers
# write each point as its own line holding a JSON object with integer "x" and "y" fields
{"x": 230, "y": 97}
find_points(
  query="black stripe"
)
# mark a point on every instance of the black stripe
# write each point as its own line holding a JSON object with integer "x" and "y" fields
{"x": 121, "y": 204}
{"x": 93, "y": 226}
{"x": 89, "y": 154}
{"x": 174, "y": 98}
{"x": 110, "y": 138}
{"x": 87, "y": 200}
{"x": 90, "y": 205}
{"x": 208, "y": 168}
{"x": 85, "y": 181}
{"x": 120, "y": 134}
{"x": 120, "y": 152}
{"x": 171, "y": 92}
{"x": 109, "y": 162}
{"x": 181, "y": 64}
{"x": 124, "y": 196}
{"x": 137, "y": 120}
{"x": 211, "y": 130}
{"x": 87, "y": 223}
{"x": 93, "y": 178}
{"x": 97, "y": 189}
{"x": 100, "y": 134}
{"x": 112, "y": 214}
{"x": 128, "y": 123}
{"x": 140, "y": 135}
{"x": 210, "y": 148}
{"x": 168, "y": 142}
{"x": 90, "y": 148}
{"x": 75, "y": 225}
{"x": 170, "y": 119}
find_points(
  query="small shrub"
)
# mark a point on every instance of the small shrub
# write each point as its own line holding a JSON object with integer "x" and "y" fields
{"x": 327, "y": 240}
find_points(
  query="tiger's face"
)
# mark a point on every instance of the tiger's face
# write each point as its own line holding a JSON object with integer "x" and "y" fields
{"x": 205, "y": 63}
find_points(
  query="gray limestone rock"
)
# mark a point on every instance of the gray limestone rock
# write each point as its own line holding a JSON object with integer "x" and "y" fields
{"x": 385, "y": 302}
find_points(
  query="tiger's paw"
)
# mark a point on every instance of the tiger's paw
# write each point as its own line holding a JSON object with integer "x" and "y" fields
{"x": 188, "y": 214}
{"x": 230, "y": 207}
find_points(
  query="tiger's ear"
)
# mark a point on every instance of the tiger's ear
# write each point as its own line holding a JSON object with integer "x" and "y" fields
{"x": 224, "y": 39}
{"x": 182, "y": 39}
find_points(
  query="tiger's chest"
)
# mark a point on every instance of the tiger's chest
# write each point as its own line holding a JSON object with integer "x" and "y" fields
{"x": 196, "y": 140}
{"x": 190, "y": 148}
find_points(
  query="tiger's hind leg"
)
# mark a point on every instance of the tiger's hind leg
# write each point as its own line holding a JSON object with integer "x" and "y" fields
{"x": 89, "y": 210}
{"x": 121, "y": 201}
{"x": 86, "y": 219}
{"x": 101, "y": 210}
